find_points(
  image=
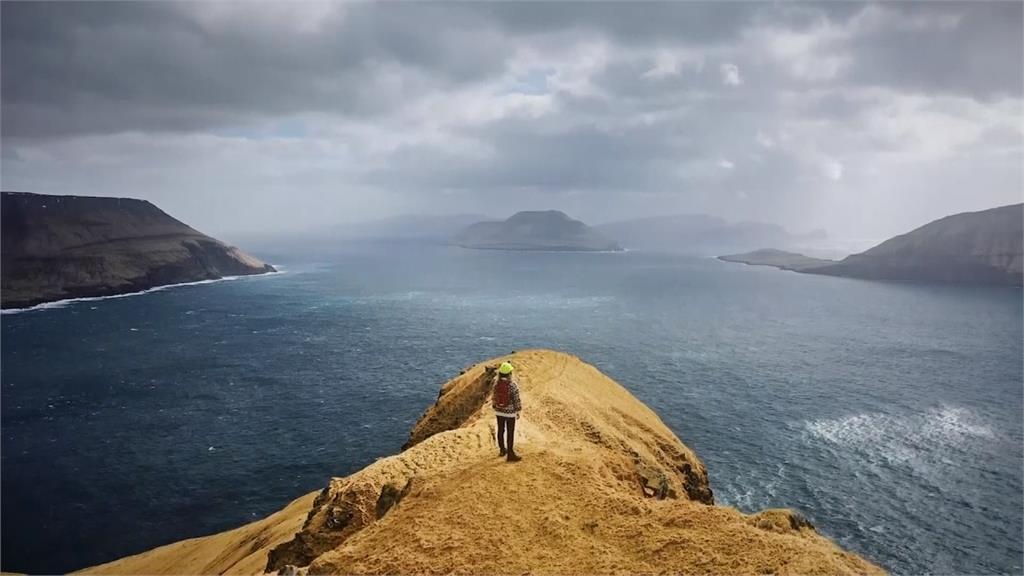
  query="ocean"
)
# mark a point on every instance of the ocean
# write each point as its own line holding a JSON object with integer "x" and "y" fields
{"x": 890, "y": 415}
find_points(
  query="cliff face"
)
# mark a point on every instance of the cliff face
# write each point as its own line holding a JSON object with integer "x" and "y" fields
{"x": 57, "y": 247}
{"x": 984, "y": 247}
{"x": 550, "y": 230}
{"x": 604, "y": 486}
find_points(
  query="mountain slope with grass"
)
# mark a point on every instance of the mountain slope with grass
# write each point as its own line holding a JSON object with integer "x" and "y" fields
{"x": 985, "y": 247}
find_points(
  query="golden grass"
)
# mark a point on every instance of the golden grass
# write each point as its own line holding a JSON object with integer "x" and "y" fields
{"x": 583, "y": 500}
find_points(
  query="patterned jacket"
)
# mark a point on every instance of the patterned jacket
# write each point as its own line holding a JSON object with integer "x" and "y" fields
{"x": 510, "y": 405}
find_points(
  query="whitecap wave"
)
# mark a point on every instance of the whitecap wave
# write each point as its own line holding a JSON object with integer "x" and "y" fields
{"x": 450, "y": 300}
{"x": 902, "y": 438}
{"x": 68, "y": 301}
{"x": 753, "y": 489}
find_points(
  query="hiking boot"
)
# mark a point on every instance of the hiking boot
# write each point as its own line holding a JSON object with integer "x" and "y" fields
{"x": 502, "y": 452}
{"x": 513, "y": 457}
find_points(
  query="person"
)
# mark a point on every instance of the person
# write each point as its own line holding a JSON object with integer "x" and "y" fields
{"x": 507, "y": 406}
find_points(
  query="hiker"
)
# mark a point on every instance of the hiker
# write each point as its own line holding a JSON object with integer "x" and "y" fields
{"x": 506, "y": 406}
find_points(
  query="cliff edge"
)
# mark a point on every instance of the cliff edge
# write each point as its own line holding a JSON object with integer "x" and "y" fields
{"x": 60, "y": 247}
{"x": 604, "y": 487}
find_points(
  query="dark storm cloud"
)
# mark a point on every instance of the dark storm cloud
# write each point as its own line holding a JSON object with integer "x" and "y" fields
{"x": 631, "y": 22}
{"x": 101, "y": 67}
{"x": 790, "y": 111}
{"x": 110, "y": 66}
{"x": 529, "y": 154}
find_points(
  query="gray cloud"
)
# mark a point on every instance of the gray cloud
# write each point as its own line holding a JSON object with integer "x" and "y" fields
{"x": 110, "y": 66}
{"x": 966, "y": 48}
{"x": 806, "y": 114}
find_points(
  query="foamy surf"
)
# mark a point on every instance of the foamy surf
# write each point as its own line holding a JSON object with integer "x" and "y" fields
{"x": 68, "y": 301}
{"x": 901, "y": 438}
{"x": 455, "y": 301}
{"x": 754, "y": 489}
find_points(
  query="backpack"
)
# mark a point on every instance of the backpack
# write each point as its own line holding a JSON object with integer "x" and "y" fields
{"x": 502, "y": 392}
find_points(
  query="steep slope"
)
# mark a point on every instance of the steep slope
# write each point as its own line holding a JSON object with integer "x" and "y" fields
{"x": 57, "y": 247}
{"x": 604, "y": 487}
{"x": 548, "y": 230}
{"x": 985, "y": 247}
{"x": 239, "y": 551}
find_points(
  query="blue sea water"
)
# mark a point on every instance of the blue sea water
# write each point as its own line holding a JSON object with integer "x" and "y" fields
{"x": 888, "y": 414}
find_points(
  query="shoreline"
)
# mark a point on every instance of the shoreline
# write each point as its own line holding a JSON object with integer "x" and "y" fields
{"x": 68, "y": 301}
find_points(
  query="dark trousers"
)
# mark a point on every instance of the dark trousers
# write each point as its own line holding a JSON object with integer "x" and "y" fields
{"x": 506, "y": 425}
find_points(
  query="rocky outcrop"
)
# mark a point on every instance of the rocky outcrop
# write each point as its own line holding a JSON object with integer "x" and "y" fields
{"x": 59, "y": 247}
{"x": 604, "y": 487}
{"x": 549, "y": 230}
{"x": 457, "y": 402}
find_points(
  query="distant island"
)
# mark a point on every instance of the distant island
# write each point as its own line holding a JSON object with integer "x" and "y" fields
{"x": 550, "y": 230}
{"x": 985, "y": 247}
{"x": 60, "y": 247}
{"x": 415, "y": 227}
{"x": 703, "y": 234}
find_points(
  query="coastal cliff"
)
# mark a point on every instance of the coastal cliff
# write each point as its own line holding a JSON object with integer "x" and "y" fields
{"x": 604, "y": 487}
{"x": 59, "y": 247}
{"x": 985, "y": 247}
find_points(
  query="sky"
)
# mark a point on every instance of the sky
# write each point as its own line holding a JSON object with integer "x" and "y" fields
{"x": 866, "y": 120}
